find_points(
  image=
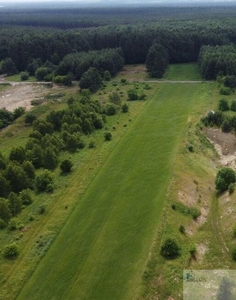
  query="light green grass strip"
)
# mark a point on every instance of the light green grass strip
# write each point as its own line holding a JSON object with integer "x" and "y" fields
{"x": 103, "y": 249}
{"x": 183, "y": 72}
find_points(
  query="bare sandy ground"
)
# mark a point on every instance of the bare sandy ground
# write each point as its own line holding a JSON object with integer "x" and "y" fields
{"x": 20, "y": 95}
{"x": 225, "y": 144}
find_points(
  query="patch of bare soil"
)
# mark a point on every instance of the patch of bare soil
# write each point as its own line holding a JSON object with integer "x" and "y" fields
{"x": 193, "y": 194}
{"x": 135, "y": 73}
{"x": 21, "y": 95}
{"x": 225, "y": 144}
{"x": 201, "y": 251}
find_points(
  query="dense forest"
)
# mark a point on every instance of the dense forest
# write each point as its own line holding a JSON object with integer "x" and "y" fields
{"x": 58, "y": 41}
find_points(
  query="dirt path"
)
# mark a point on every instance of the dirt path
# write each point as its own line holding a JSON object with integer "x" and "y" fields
{"x": 173, "y": 81}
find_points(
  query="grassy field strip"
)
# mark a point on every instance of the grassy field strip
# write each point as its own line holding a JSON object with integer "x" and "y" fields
{"x": 182, "y": 72}
{"x": 86, "y": 165}
{"x": 102, "y": 250}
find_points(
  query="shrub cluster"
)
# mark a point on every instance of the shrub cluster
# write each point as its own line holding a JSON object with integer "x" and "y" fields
{"x": 7, "y": 117}
{"x": 220, "y": 119}
{"x": 187, "y": 211}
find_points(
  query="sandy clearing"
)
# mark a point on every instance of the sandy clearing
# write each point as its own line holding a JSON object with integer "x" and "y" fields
{"x": 20, "y": 95}
{"x": 225, "y": 145}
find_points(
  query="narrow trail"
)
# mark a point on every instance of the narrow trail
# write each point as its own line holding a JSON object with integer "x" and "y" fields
{"x": 14, "y": 83}
{"x": 173, "y": 81}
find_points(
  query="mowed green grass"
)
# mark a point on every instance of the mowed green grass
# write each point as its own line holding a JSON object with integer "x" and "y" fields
{"x": 183, "y": 72}
{"x": 102, "y": 250}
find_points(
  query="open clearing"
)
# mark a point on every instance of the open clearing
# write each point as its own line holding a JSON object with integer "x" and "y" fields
{"x": 20, "y": 95}
{"x": 103, "y": 248}
{"x": 182, "y": 72}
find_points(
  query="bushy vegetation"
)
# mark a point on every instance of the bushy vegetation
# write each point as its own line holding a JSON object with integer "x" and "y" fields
{"x": 107, "y": 136}
{"x": 185, "y": 210}
{"x": 170, "y": 249}
{"x": 61, "y": 130}
{"x": 7, "y": 117}
{"x": 225, "y": 176}
{"x": 220, "y": 118}
{"x": 11, "y": 251}
{"x": 66, "y": 165}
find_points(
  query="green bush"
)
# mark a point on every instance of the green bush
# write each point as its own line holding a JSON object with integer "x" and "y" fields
{"x": 234, "y": 231}
{"x": 111, "y": 109}
{"x": 26, "y": 197}
{"x": 233, "y": 105}
{"x": 125, "y": 108}
{"x": 66, "y": 165}
{"x": 2, "y": 224}
{"x": 142, "y": 96}
{"x": 13, "y": 224}
{"x": 224, "y": 178}
{"x": 107, "y": 136}
{"x": 225, "y": 91}
{"x": 231, "y": 188}
{"x": 41, "y": 209}
{"x": 107, "y": 76}
{"x": 44, "y": 181}
{"x": 132, "y": 94}
{"x": 185, "y": 210}
{"x": 92, "y": 144}
{"x": 234, "y": 254}
{"x": 182, "y": 229}
{"x": 193, "y": 251}
{"x": 30, "y": 118}
{"x": 24, "y": 76}
{"x": 170, "y": 249}
{"x": 223, "y": 105}
{"x": 195, "y": 213}
{"x": 115, "y": 98}
{"x": 19, "y": 111}
{"x": 190, "y": 148}
{"x": 11, "y": 251}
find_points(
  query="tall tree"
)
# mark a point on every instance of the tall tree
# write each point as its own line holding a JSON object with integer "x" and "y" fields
{"x": 156, "y": 61}
{"x": 91, "y": 80}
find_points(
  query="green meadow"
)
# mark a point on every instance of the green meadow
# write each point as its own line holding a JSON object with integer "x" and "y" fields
{"x": 180, "y": 72}
{"x": 103, "y": 248}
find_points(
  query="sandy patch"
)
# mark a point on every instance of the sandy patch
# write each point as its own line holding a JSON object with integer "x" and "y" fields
{"x": 201, "y": 251}
{"x": 21, "y": 95}
{"x": 225, "y": 145}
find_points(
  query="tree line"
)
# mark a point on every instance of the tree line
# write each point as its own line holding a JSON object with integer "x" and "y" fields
{"x": 103, "y": 60}
{"x": 30, "y": 48}
{"x": 69, "y": 18}
{"x": 218, "y": 61}
{"x": 50, "y": 52}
